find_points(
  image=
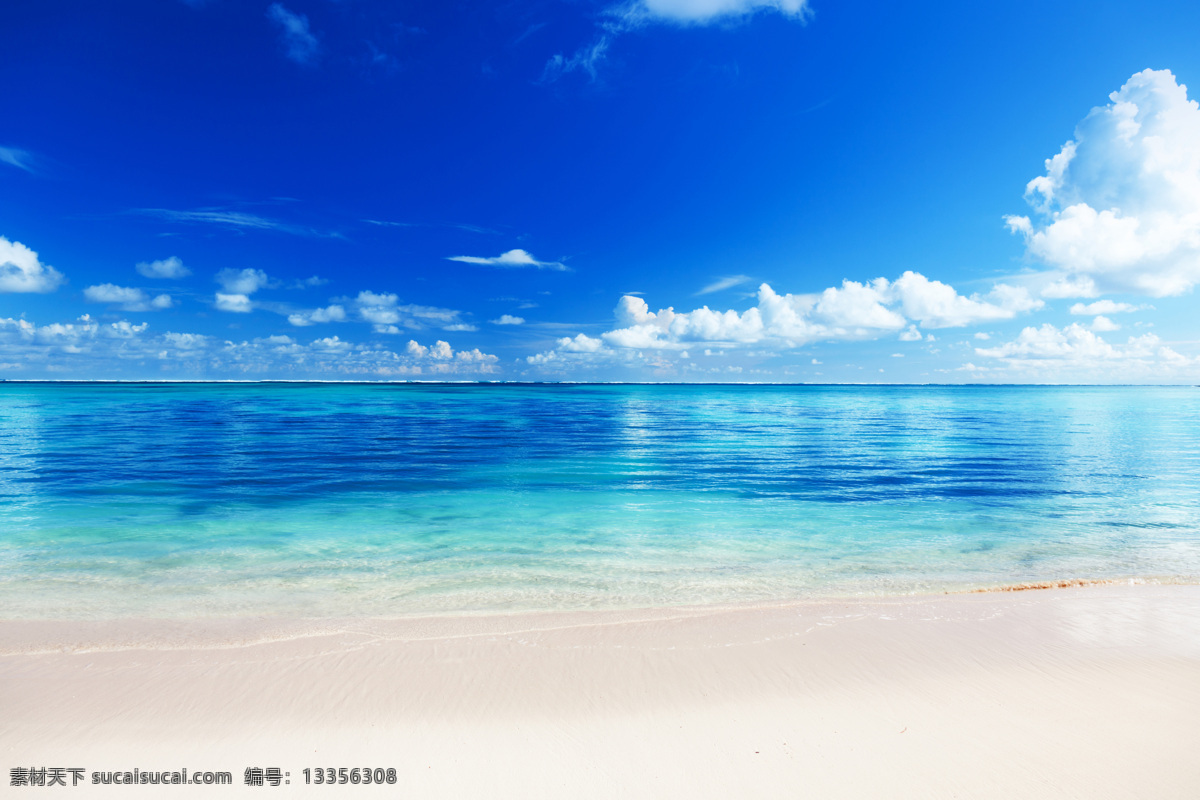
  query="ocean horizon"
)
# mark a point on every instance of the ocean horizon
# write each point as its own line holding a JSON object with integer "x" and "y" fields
{"x": 316, "y": 499}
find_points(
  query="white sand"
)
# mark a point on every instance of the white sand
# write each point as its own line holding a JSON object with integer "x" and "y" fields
{"x": 1083, "y": 692}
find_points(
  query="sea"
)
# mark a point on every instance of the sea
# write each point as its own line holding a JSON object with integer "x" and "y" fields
{"x": 387, "y": 500}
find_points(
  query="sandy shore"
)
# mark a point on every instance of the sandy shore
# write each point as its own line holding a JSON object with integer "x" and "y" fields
{"x": 1078, "y": 692}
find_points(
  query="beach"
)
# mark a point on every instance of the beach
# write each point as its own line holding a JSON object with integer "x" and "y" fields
{"x": 1089, "y": 691}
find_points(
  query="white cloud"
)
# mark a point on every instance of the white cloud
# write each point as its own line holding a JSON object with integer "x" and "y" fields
{"x": 21, "y": 271}
{"x": 231, "y": 219}
{"x": 34, "y": 343}
{"x": 700, "y": 12}
{"x": 109, "y": 293}
{"x": 1105, "y": 307}
{"x": 1076, "y": 347}
{"x": 127, "y": 298}
{"x": 185, "y": 341}
{"x": 298, "y": 39}
{"x": 171, "y": 268}
{"x": 937, "y": 305}
{"x": 126, "y": 330}
{"x": 508, "y": 319}
{"x": 21, "y": 159}
{"x": 512, "y": 259}
{"x": 586, "y": 59}
{"x": 441, "y": 351}
{"x": 238, "y": 303}
{"x": 1119, "y": 206}
{"x": 580, "y": 344}
{"x": 385, "y": 311}
{"x": 242, "y": 281}
{"x": 86, "y": 347}
{"x": 852, "y": 311}
{"x": 1104, "y": 325}
{"x": 630, "y": 15}
{"x": 1073, "y": 286}
{"x": 721, "y": 284}
{"x": 332, "y": 313}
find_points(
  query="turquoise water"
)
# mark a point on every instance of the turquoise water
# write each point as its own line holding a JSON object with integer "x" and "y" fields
{"x": 387, "y": 500}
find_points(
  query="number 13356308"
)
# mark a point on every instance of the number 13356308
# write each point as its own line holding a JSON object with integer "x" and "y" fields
{"x": 363, "y": 775}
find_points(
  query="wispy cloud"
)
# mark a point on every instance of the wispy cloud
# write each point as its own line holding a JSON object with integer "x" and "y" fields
{"x": 298, "y": 39}
{"x": 586, "y": 59}
{"x": 702, "y": 12}
{"x": 512, "y": 259}
{"x": 1107, "y": 307}
{"x": 21, "y": 159}
{"x": 721, "y": 284}
{"x": 462, "y": 226}
{"x": 634, "y": 14}
{"x": 232, "y": 220}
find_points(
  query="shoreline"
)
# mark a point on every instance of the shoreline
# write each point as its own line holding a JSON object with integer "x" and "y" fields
{"x": 1090, "y": 691}
{"x": 266, "y": 618}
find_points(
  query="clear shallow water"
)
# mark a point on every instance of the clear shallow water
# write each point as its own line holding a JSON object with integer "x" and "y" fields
{"x": 219, "y": 499}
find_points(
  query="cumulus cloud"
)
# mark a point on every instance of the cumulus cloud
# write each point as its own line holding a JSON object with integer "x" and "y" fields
{"x": 508, "y": 319}
{"x": 86, "y": 346}
{"x": 1077, "y": 347}
{"x": 126, "y": 298}
{"x": 512, "y": 259}
{"x": 239, "y": 284}
{"x": 21, "y": 271}
{"x": 385, "y": 311}
{"x": 332, "y": 355}
{"x": 331, "y": 313}
{"x": 31, "y": 343}
{"x": 185, "y": 341}
{"x": 237, "y": 303}
{"x": 171, "y": 268}
{"x": 298, "y": 39}
{"x": 938, "y": 305}
{"x": 242, "y": 281}
{"x": 1104, "y": 325}
{"x": 852, "y": 311}
{"x": 1118, "y": 208}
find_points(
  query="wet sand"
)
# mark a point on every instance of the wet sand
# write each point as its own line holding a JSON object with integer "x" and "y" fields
{"x": 1085, "y": 691}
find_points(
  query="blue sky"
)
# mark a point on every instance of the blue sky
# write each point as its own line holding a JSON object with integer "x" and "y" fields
{"x": 710, "y": 190}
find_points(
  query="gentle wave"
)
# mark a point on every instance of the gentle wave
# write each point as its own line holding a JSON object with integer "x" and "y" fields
{"x": 384, "y": 500}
